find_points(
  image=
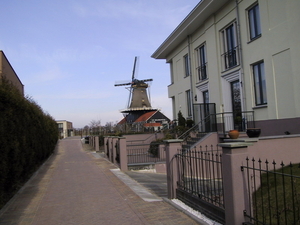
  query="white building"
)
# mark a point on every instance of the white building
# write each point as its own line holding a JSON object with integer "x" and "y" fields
{"x": 65, "y": 128}
{"x": 229, "y": 57}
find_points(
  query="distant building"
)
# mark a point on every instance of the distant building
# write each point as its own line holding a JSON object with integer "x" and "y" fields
{"x": 7, "y": 72}
{"x": 230, "y": 57}
{"x": 148, "y": 121}
{"x": 65, "y": 128}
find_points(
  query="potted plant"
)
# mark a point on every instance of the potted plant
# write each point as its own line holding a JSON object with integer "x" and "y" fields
{"x": 253, "y": 132}
{"x": 233, "y": 134}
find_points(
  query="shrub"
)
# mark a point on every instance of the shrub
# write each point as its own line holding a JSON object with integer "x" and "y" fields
{"x": 28, "y": 137}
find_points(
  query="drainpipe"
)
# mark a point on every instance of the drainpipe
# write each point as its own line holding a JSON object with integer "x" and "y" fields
{"x": 191, "y": 77}
{"x": 242, "y": 76}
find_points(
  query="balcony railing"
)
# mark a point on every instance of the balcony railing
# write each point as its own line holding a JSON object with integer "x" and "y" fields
{"x": 230, "y": 58}
{"x": 202, "y": 72}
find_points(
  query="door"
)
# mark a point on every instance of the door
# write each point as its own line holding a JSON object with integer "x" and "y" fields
{"x": 236, "y": 105}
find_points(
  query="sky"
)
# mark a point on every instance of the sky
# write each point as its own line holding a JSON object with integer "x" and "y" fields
{"x": 70, "y": 53}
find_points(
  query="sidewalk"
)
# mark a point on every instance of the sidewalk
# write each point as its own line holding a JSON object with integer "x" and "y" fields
{"x": 75, "y": 187}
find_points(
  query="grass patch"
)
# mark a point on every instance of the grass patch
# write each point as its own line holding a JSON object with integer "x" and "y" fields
{"x": 277, "y": 201}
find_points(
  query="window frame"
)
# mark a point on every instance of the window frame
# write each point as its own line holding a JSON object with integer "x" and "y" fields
{"x": 230, "y": 55}
{"x": 189, "y": 102}
{"x": 254, "y": 22}
{"x": 205, "y": 96}
{"x": 259, "y": 83}
{"x": 171, "y": 72}
{"x": 201, "y": 62}
{"x": 186, "y": 65}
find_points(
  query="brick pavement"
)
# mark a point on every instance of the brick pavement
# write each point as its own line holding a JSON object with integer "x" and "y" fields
{"x": 74, "y": 187}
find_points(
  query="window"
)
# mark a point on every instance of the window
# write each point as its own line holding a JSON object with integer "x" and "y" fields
{"x": 254, "y": 22}
{"x": 205, "y": 97}
{"x": 187, "y": 65}
{"x": 259, "y": 83}
{"x": 189, "y": 102}
{"x": 171, "y": 72}
{"x": 201, "y": 57}
{"x": 230, "y": 55}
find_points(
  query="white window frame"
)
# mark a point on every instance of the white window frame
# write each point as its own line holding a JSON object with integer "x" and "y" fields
{"x": 202, "y": 62}
{"x": 230, "y": 55}
{"x": 254, "y": 24}
{"x": 189, "y": 102}
{"x": 259, "y": 81}
{"x": 186, "y": 61}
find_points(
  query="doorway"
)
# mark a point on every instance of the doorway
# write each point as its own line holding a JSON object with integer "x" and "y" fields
{"x": 236, "y": 104}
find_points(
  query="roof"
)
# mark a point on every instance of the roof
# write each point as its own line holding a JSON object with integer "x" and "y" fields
{"x": 203, "y": 10}
{"x": 145, "y": 116}
{"x": 152, "y": 125}
{"x": 11, "y": 68}
{"x": 122, "y": 121}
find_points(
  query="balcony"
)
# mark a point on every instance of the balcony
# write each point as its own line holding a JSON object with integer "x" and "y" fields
{"x": 202, "y": 72}
{"x": 230, "y": 58}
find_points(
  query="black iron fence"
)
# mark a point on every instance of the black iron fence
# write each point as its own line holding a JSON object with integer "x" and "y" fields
{"x": 220, "y": 122}
{"x": 200, "y": 182}
{"x": 273, "y": 194}
{"x": 239, "y": 121}
{"x": 146, "y": 155}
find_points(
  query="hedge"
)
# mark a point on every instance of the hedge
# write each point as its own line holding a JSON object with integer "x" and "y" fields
{"x": 28, "y": 136}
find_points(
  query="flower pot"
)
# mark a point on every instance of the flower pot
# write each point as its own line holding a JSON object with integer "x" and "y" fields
{"x": 233, "y": 134}
{"x": 253, "y": 132}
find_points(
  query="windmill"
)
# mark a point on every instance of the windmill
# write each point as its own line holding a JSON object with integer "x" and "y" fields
{"x": 138, "y": 97}
{"x": 139, "y": 115}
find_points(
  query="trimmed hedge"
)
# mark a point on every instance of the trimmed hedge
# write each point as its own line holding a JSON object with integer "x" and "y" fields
{"x": 28, "y": 136}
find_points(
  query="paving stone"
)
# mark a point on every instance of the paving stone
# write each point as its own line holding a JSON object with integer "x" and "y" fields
{"x": 75, "y": 187}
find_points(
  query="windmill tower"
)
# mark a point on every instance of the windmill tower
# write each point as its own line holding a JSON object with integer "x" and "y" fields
{"x": 138, "y": 102}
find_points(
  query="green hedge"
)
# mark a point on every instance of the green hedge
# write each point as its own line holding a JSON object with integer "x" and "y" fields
{"x": 28, "y": 136}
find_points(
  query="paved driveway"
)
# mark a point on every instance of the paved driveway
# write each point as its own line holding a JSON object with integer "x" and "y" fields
{"x": 74, "y": 187}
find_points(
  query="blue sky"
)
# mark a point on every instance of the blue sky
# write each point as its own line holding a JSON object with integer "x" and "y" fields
{"x": 70, "y": 53}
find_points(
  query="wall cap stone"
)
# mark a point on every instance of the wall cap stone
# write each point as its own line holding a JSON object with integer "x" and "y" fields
{"x": 235, "y": 144}
{"x": 173, "y": 140}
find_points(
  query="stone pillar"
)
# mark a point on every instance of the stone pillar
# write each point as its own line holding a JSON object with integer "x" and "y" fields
{"x": 109, "y": 148}
{"x": 233, "y": 156}
{"x": 114, "y": 150}
{"x": 172, "y": 147}
{"x": 97, "y": 143}
{"x": 123, "y": 154}
{"x": 105, "y": 145}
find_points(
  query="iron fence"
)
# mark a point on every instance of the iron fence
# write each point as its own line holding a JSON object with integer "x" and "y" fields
{"x": 240, "y": 121}
{"x": 273, "y": 193}
{"x": 146, "y": 155}
{"x": 200, "y": 182}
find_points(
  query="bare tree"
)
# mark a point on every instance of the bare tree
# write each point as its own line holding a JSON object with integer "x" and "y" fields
{"x": 95, "y": 126}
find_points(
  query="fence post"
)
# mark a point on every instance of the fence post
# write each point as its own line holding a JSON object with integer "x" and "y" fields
{"x": 109, "y": 148}
{"x": 97, "y": 143}
{"x": 233, "y": 156}
{"x": 114, "y": 150}
{"x": 123, "y": 154}
{"x": 105, "y": 145}
{"x": 172, "y": 147}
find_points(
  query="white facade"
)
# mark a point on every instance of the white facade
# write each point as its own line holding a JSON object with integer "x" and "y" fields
{"x": 65, "y": 128}
{"x": 249, "y": 47}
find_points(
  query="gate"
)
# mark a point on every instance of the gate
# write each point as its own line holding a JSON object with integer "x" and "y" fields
{"x": 206, "y": 112}
{"x": 200, "y": 182}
